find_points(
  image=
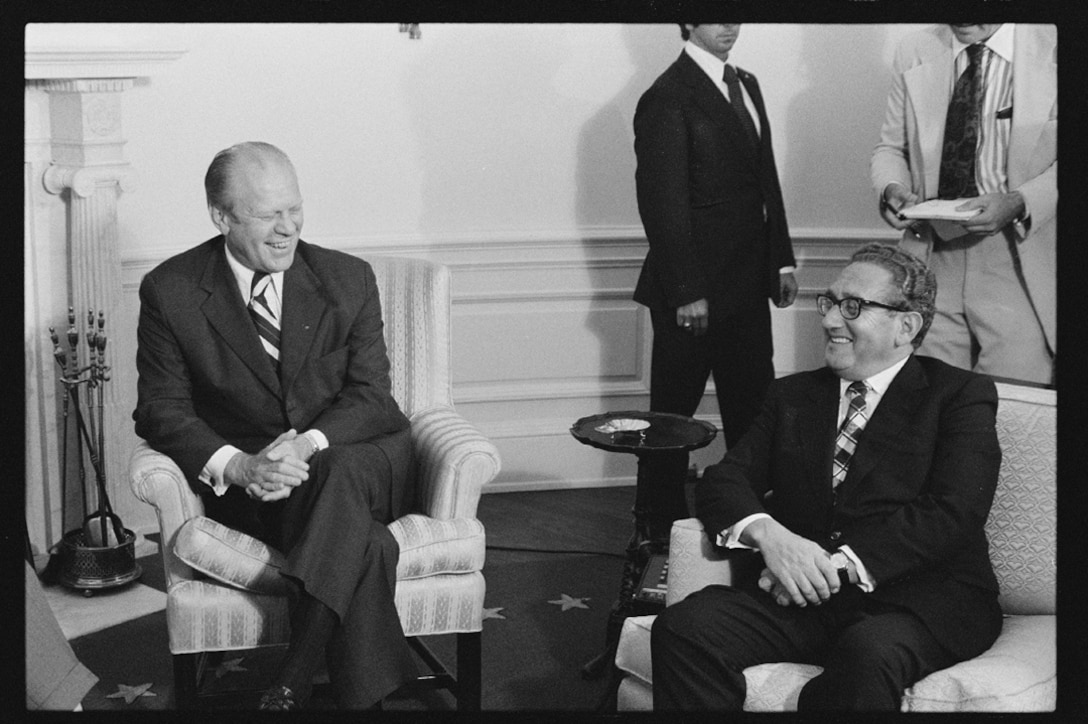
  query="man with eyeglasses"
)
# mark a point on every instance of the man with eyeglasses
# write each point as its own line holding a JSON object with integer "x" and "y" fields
{"x": 864, "y": 485}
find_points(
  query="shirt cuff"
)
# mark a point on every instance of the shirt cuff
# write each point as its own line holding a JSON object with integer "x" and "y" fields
{"x": 787, "y": 270}
{"x": 730, "y": 537}
{"x": 318, "y": 439}
{"x": 865, "y": 581}
{"x": 212, "y": 474}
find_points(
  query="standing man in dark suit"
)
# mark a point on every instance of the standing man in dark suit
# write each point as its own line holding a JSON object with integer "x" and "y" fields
{"x": 244, "y": 341}
{"x": 865, "y": 485}
{"x": 711, "y": 205}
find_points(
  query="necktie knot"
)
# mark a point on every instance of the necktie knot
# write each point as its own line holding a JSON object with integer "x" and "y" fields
{"x": 857, "y": 390}
{"x": 974, "y": 53}
{"x": 729, "y": 75}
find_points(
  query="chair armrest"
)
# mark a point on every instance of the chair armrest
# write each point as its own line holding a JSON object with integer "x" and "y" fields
{"x": 695, "y": 562}
{"x": 158, "y": 481}
{"x": 454, "y": 461}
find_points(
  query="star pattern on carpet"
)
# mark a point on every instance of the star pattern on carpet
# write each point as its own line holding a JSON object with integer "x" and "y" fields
{"x": 567, "y": 602}
{"x": 493, "y": 613}
{"x": 228, "y": 666}
{"x": 131, "y": 693}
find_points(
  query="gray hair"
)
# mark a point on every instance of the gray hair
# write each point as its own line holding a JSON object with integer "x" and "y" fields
{"x": 915, "y": 281}
{"x": 222, "y": 166}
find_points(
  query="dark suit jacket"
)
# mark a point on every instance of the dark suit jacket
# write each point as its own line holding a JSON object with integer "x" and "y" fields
{"x": 701, "y": 195}
{"x": 915, "y": 498}
{"x": 205, "y": 381}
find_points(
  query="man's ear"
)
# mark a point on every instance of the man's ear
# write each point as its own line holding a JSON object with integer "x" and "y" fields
{"x": 910, "y": 324}
{"x": 219, "y": 218}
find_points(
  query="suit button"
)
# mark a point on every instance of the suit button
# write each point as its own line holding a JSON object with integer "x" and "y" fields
{"x": 835, "y": 535}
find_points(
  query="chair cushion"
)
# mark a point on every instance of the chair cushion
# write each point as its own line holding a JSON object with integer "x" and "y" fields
{"x": 230, "y": 556}
{"x": 202, "y": 615}
{"x": 1018, "y": 673}
{"x": 430, "y": 547}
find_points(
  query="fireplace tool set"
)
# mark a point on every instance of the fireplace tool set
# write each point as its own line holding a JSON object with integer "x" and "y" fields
{"x": 100, "y": 554}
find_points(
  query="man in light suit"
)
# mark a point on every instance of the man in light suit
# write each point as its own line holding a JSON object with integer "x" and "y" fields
{"x": 263, "y": 373}
{"x": 711, "y": 205}
{"x": 865, "y": 486}
{"x": 997, "y": 311}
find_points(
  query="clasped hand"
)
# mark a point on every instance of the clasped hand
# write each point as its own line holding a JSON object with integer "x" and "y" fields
{"x": 798, "y": 570}
{"x": 273, "y": 472}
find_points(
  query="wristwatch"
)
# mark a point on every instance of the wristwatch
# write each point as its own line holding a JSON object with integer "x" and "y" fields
{"x": 842, "y": 565}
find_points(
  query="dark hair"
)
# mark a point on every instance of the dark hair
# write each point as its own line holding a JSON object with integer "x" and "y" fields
{"x": 221, "y": 167}
{"x": 915, "y": 281}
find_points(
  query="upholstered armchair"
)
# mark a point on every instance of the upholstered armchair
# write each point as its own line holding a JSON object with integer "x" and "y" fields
{"x": 1017, "y": 674}
{"x": 223, "y": 592}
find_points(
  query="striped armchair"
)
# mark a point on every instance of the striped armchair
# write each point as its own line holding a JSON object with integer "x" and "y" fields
{"x": 228, "y": 595}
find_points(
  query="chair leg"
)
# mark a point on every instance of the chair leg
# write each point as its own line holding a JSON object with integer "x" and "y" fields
{"x": 469, "y": 674}
{"x": 185, "y": 683}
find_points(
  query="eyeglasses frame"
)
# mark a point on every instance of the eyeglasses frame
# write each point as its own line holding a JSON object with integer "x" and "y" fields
{"x": 862, "y": 304}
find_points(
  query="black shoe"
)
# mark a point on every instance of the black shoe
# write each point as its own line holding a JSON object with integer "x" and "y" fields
{"x": 279, "y": 698}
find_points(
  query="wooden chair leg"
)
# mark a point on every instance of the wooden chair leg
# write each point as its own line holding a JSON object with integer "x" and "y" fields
{"x": 469, "y": 673}
{"x": 185, "y": 683}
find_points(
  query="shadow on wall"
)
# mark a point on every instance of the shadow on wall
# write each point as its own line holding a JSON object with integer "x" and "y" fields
{"x": 832, "y": 125}
{"x": 605, "y": 187}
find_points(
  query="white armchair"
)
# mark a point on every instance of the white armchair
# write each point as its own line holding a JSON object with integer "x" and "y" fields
{"x": 440, "y": 585}
{"x": 1017, "y": 674}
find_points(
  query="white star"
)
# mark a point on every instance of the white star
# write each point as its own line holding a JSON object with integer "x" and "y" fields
{"x": 131, "y": 693}
{"x": 228, "y": 666}
{"x": 568, "y": 603}
{"x": 493, "y": 613}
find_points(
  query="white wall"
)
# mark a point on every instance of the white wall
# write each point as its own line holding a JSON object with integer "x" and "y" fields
{"x": 506, "y": 152}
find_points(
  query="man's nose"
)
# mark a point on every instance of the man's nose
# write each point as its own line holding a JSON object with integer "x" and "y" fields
{"x": 286, "y": 225}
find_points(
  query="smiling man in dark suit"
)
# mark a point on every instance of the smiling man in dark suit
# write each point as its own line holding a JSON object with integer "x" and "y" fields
{"x": 246, "y": 340}
{"x": 711, "y": 205}
{"x": 865, "y": 485}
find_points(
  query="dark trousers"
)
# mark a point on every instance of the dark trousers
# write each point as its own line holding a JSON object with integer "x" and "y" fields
{"x": 871, "y": 651}
{"x": 737, "y": 349}
{"x": 333, "y": 531}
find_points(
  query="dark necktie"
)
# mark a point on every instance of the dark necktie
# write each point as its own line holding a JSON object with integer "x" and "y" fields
{"x": 961, "y": 131}
{"x": 852, "y": 426}
{"x": 736, "y": 98}
{"x": 268, "y": 327}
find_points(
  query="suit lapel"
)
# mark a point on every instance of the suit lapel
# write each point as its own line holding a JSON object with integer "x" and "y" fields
{"x": 303, "y": 306}
{"x": 707, "y": 97}
{"x": 888, "y": 422}
{"x": 929, "y": 88}
{"x": 1032, "y": 101}
{"x": 816, "y": 427}
{"x": 226, "y": 312}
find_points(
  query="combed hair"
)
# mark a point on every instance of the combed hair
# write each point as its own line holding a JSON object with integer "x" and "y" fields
{"x": 915, "y": 281}
{"x": 221, "y": 167}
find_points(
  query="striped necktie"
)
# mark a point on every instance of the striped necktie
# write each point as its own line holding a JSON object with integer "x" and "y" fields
{"x": 268, "y": 327}
{"x": 848, "y": 433}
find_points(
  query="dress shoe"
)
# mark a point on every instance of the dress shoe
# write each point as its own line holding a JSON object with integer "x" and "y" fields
{"x": 279, "y": 698}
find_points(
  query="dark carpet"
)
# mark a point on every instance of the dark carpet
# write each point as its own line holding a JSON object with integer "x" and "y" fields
{"x": 548, "y": 607}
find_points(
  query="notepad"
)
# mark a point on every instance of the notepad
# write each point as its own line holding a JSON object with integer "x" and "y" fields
{"x": 941, "y": 209}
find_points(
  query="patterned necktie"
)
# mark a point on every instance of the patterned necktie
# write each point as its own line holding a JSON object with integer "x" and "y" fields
{"x": 848, "y": 433}
{"x": 268, "y": 327}
{"x": 961, "y": 131}
{"x": 736, "y": 98}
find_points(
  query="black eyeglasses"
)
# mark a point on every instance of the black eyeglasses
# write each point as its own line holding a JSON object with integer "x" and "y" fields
{"x": 850, "y": 307}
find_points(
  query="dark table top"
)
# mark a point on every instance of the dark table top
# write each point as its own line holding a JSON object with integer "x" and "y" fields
{"x": 666, "y": 432}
